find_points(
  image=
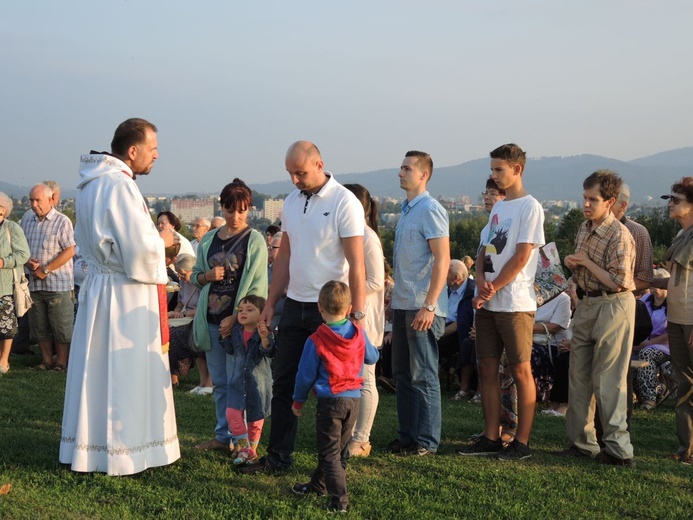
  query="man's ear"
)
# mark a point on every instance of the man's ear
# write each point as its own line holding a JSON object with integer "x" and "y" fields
{"x": 132, "y": 153}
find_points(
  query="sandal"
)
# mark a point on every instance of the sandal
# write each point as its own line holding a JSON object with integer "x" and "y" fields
{"x": 44, "y": 367}
{"x": 59, "y": 368}
{"x": 460, "y": 396}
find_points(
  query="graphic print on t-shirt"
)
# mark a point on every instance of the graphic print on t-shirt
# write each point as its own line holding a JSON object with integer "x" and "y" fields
{"x": 496, "y": 240}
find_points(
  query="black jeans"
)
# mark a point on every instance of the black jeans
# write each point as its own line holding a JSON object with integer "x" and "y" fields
{"x": 299, "y": 320}
{"x": 334, "y": 423}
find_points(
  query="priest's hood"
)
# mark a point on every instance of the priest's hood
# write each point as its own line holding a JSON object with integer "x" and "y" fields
{"x": 96, "y": 164}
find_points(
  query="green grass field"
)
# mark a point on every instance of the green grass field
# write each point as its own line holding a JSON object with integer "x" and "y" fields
{"x": 445, "y": 486}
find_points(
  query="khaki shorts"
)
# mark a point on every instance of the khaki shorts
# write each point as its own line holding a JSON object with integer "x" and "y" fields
{"x": 509, "y": 331}
{"x": 52, "y": 316}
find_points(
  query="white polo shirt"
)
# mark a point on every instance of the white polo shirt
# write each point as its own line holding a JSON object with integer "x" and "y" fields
{"x": 315, "y": 227}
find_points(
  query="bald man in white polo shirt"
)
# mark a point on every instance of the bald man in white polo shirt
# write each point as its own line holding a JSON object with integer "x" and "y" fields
{"x": 322, "y": 240}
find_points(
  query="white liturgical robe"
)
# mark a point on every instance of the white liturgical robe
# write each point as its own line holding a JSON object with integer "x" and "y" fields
{"x": 118, "y": 416}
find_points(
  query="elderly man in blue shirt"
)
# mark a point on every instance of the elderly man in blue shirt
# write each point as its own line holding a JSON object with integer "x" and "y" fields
{"x": 419, "y": 303}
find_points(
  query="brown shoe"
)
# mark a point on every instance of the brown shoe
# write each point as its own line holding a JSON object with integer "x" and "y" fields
{"x": 572, "y": 451}
{"x": 604, "y": 457}
{"x": 213, "y": 445}
{"x": 359, "y": 449}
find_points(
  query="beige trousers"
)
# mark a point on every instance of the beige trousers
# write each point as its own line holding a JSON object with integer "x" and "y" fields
{"x": 599, "y": 360}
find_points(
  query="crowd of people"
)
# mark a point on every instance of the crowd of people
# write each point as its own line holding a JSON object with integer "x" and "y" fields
{"x": 310, "y": 305}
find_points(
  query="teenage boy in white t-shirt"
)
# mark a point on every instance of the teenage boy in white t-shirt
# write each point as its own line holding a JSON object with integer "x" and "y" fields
{"x": 505, "y": 266}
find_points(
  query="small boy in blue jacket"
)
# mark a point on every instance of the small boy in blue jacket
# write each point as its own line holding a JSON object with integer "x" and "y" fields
{"x": 332, "y": 364}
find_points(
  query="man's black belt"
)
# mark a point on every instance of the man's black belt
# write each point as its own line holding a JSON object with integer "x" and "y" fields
{"x": 593, "y": 294}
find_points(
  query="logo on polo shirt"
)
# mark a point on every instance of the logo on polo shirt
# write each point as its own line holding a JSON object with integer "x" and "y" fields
{"x": 325, "y": 214}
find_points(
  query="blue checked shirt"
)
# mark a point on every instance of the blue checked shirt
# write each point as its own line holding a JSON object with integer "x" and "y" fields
{"x": 46, "y": 240}
{"x": 422, "y": 219}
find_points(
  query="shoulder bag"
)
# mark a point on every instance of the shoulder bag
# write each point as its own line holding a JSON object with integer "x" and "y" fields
{"x": 20, "y": 288}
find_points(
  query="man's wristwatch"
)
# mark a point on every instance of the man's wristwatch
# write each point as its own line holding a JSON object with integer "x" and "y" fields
{"x": 46, "y": 271}
{"x": 429, "y": 308}
{"x": 357, "y": 315}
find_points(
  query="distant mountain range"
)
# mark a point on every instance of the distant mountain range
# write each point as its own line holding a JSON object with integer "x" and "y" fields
{"x": 547, "y": 178}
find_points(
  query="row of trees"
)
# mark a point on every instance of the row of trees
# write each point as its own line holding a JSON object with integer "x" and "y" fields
{"x": 465, "y": 233}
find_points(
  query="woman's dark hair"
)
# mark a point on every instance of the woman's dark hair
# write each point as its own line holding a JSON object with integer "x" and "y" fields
{"x": 491, "y": 185}
{"x": 272, "y": 230}
{"x": 684, "y": 187}
{"x": 173, "y": 220}
{"x": 236, "y": 195}
{"x": 370, "y": 207}
{"x": 253, "y": 299}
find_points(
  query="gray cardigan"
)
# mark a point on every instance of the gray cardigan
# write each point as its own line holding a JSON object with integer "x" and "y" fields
{"x": 14, "y": 254}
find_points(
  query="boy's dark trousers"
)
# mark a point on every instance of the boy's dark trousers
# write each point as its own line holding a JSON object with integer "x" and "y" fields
{"x": 334, "y": 424}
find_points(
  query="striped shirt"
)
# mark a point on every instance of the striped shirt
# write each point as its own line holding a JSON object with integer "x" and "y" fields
{"x": 47, "y": 239}
{"x": 611, "y": 246}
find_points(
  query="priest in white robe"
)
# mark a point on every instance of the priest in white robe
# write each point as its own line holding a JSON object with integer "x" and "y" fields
{"x": 119, "y": 416}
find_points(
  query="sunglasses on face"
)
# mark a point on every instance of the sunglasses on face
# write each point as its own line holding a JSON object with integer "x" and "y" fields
{"x": 676, "y": 199}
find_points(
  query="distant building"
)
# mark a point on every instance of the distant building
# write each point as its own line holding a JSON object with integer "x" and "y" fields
{"x": 273, "y": 209}
{"x": 187, "y": 209}
{"x": 255, "y": 213}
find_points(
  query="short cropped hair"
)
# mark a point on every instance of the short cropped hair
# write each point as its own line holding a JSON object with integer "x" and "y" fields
{"x": 236, "y": 195}
{"x": 609, "y": 183}
{"x": 624, "y": 193}
{"x": 423, "y": 160}
{"x": 511, "y": 153}
{"x": 254, "y": 299}
{"x": 684, "y": 187}
{"x": 130, "y": 133}
{"x": 6, "y": 202}
{"x": 334, "y": 297}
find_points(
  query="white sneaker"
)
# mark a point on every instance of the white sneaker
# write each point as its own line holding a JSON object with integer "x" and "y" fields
{"x": 205, "y": 390}
{"x": 195, "y": 390}
{"x": 553, "y": 413}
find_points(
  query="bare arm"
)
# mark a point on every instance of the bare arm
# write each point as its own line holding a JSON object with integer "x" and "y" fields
{"x": 553, "y": 328}
{"x": 440, "y": 247}
{"x": 57, "y": 262}
{"x": 353, "y": 252}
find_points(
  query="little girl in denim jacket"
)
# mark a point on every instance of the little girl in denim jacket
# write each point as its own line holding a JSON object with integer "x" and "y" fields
{"x": 251, "y": 345}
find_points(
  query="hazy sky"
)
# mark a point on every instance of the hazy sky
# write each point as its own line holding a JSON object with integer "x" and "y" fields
{"x": 231, "y": 84}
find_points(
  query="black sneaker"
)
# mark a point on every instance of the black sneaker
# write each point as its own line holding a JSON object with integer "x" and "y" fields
{"x": 396, "y": 447}
{"x": 516, "y": 451}
{"x": 261, "y": 466}
{"x": 416, "y": 450}
{"x": 482, "y": 447}
{"x": 306, "y": 489}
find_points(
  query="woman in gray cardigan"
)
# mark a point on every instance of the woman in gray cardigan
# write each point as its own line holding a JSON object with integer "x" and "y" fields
{"x": 14, "y": 252}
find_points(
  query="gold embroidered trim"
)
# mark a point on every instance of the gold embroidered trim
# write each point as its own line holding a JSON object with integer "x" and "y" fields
{"x": 119, "y": 451}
